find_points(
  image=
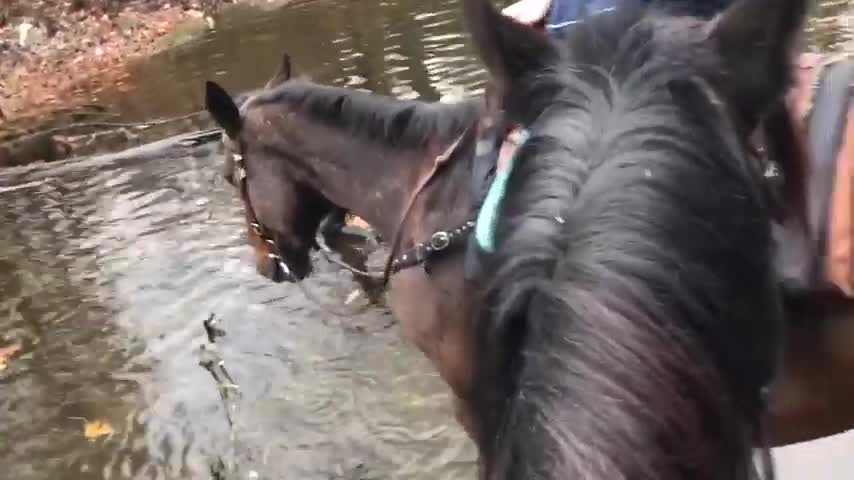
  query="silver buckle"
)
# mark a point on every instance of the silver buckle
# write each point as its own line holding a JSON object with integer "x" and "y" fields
{"x": 440, "y": 241}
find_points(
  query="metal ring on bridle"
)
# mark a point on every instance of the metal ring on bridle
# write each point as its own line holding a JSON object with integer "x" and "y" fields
{"x": 440, "y": 241}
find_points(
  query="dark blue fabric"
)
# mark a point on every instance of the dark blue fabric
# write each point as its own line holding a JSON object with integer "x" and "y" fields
{"x": 563, "y": 13}
{"x": 566, "y": 12}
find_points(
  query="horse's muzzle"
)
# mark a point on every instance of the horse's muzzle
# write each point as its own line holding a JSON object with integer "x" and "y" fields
{"x": 279, "y": 271}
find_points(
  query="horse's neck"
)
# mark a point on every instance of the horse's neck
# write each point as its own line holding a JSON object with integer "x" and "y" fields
{"x": 379, "y": 175}
{"x": 394, "y": 189}
{"x": 372, "y": 181}
{"x": 420, "y": 191}
{"x": 377, "y": 181}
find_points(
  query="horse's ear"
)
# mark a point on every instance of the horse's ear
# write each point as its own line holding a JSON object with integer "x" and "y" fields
{"x": 222, "y": 108}
{"x": 283, "y": 74}
{"x": 509, "y": 49}
{"x": 755, "y": 23}
{"x": 756, "y": 37}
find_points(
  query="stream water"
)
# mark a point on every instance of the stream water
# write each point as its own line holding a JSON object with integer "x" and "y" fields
{"x": 108, "y": 269}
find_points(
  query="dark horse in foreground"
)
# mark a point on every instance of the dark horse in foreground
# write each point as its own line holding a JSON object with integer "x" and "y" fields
{"x": 632, "y": 317}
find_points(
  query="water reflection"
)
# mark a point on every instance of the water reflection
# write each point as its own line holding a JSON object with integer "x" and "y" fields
{"x": 107, "y": 272}
{"x": 831, "y": 28}
{"x": 106, "y": 278}
{"x": 52, "y": 306}
{"x": 406, "y": 48}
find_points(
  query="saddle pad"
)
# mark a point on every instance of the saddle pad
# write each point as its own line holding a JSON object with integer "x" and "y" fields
{"x": 829, "y": 114}
{"x": 840, "y": 254}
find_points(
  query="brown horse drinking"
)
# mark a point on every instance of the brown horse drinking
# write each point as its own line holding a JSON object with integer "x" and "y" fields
{"x": 302, "y": 149}
{"x": 307, "y": 148}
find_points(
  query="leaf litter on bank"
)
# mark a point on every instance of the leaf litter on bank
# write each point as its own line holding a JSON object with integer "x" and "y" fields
{"x": 67, "y": 51}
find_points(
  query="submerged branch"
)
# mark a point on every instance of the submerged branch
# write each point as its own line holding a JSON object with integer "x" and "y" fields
{"x": 22, "y": 186}
{"x": 112, "y": 125}
{"x": 229, "y": 391}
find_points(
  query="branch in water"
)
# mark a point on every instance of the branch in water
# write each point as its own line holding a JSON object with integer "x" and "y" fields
{"x": 115, "y": 125}
{"x": 211, "y": 328}
{"x": 229, "y": 391}
{"x": 22, "y": 186}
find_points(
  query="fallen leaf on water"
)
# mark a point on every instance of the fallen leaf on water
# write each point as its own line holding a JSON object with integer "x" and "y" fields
{"x": 358, "y": 222}
{"x": 97, "y": 429}
{"x": 6, "y": 355}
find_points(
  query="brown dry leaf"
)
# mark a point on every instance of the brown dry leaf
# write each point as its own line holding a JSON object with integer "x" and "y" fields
{"x": 6, "y": 355}
{"x": 97, "y": 429}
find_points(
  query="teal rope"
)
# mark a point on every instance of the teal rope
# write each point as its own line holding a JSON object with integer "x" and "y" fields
{"x": 484, "y": 230}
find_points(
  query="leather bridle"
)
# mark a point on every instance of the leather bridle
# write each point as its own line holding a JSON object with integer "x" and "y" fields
{"x": 417, "y": 255}
{"x": 275, "y": 254}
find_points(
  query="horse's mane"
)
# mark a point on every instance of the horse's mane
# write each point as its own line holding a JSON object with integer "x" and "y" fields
{"x": 622, "y": 331}
{"x": 380, "y": 119}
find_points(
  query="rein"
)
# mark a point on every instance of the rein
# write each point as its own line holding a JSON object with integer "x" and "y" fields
{"x": 327, "y": 254}
{"x": 438, "y": 241}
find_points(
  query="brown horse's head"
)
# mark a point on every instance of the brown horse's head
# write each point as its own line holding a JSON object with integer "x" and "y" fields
{"x": 282, "y": 212}
{"x": 308, "y": 150}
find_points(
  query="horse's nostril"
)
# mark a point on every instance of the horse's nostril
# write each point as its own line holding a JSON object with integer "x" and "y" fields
{"x": 277, "y": 274}
{"x": 280, "y": 272}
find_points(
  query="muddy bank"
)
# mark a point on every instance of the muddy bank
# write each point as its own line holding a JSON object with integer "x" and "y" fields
{"x": 54, "y": 53}
{"x": 87, "y": 130}
{"x": 57, "y": 56}
{"x": 138, "y": 70}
